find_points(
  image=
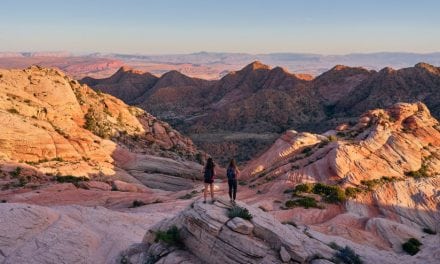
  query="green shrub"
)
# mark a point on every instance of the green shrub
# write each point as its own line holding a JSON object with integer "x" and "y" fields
{"x": 16, "y": 173}
{"x": 70, "y": 179}
{"x": 304, "y": 187}
{"x": 352, "y": 192}
{"x": 420, "y": 173}
{"x": 237, "y": 211}
{"x": 306, "y": 202}
{"x": 170, "y": 237}
{"x": 331, "y": 194}
{"x": 96, "y": 123}
{"x": 429, "y": 231}
{"x": 347, "y": 255}
{"x": 412, "y": 246}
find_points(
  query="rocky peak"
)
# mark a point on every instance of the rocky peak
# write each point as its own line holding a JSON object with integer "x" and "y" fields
{"x": 256, "y": 65}
{"x": 428, "y": 67}
{"x": 176, "y": 79}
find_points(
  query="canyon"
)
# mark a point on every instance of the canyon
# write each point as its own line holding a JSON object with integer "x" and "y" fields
{"x": 87, "y": 178}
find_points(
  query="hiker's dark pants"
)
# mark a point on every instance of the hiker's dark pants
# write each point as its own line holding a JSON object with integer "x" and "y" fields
{"x": 232, "y": 188}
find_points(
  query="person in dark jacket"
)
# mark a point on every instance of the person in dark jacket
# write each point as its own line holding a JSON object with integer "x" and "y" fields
{"x": 232, "y": 173}
{"x": 209, "y": 174}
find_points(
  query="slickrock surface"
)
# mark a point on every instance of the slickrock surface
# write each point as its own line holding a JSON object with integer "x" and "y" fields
{"x": 52, "y": 125}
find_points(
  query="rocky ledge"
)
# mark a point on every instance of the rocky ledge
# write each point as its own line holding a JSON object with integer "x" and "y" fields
{"x": 205, "y": 234}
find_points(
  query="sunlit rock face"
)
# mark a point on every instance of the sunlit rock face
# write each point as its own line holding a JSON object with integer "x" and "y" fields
{"x": 52, "y": 125}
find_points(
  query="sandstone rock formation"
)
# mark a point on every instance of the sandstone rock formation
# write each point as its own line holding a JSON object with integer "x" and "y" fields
{"x": 259, "y": 99}
{"x": 52, "y": 125}
{"x": 207, "y": 236}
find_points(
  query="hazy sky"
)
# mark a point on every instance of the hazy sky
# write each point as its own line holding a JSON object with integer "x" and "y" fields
{"x": 183, "y": 26}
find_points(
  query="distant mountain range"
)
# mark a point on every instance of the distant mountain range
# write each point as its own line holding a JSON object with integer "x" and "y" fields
{"x": 210, "y": 65}
{"x": 230, "y": 115}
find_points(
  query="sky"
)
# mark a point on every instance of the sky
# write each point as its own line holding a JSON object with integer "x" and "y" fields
{"x": 186, "y": 26}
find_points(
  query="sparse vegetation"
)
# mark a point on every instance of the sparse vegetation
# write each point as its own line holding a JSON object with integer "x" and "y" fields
{"x": 412, "y": 246}
{"x": 16, "y": 173}
{"x": 347, "y": 255}
{"x": 306, "y": 202}
{"x": 352, "y": 192}
{"x": 238, "y": 211}
{"x": 170, "y": 237}
{"x": 96, "y": 123}
{"x": 420, "y": 173}
{"x": 331, "y": 193}
{"x": 305, "y": 187}
{"x": 70, "y": 179}
{"x": 372, "y": 184}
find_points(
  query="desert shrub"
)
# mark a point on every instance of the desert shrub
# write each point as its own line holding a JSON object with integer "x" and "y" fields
{"x": 428, "y": 230}
{"x": 352, "y": 192}
{"x": 331, "y": 194}
{"x": 137, "y": 203}
{"x": 304, "y": 187}
{"x": 306, "y": 202}
{"x": 412, "y": 246}
{"x": 348, "y": 256}
{"x": 70, "y": 179}
{"x": 370, "y": 184}
{"x": 170, "y": 237}
{"x": 13, "y": 111}
{"x": 96, "y": 123}
{"x": 420, "y": 173}
{"x": 238, "y": 211}
{"x": 16, "y": 173}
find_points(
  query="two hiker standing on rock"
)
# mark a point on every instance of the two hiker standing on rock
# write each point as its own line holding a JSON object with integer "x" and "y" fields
{"x": 232, "y": 174}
